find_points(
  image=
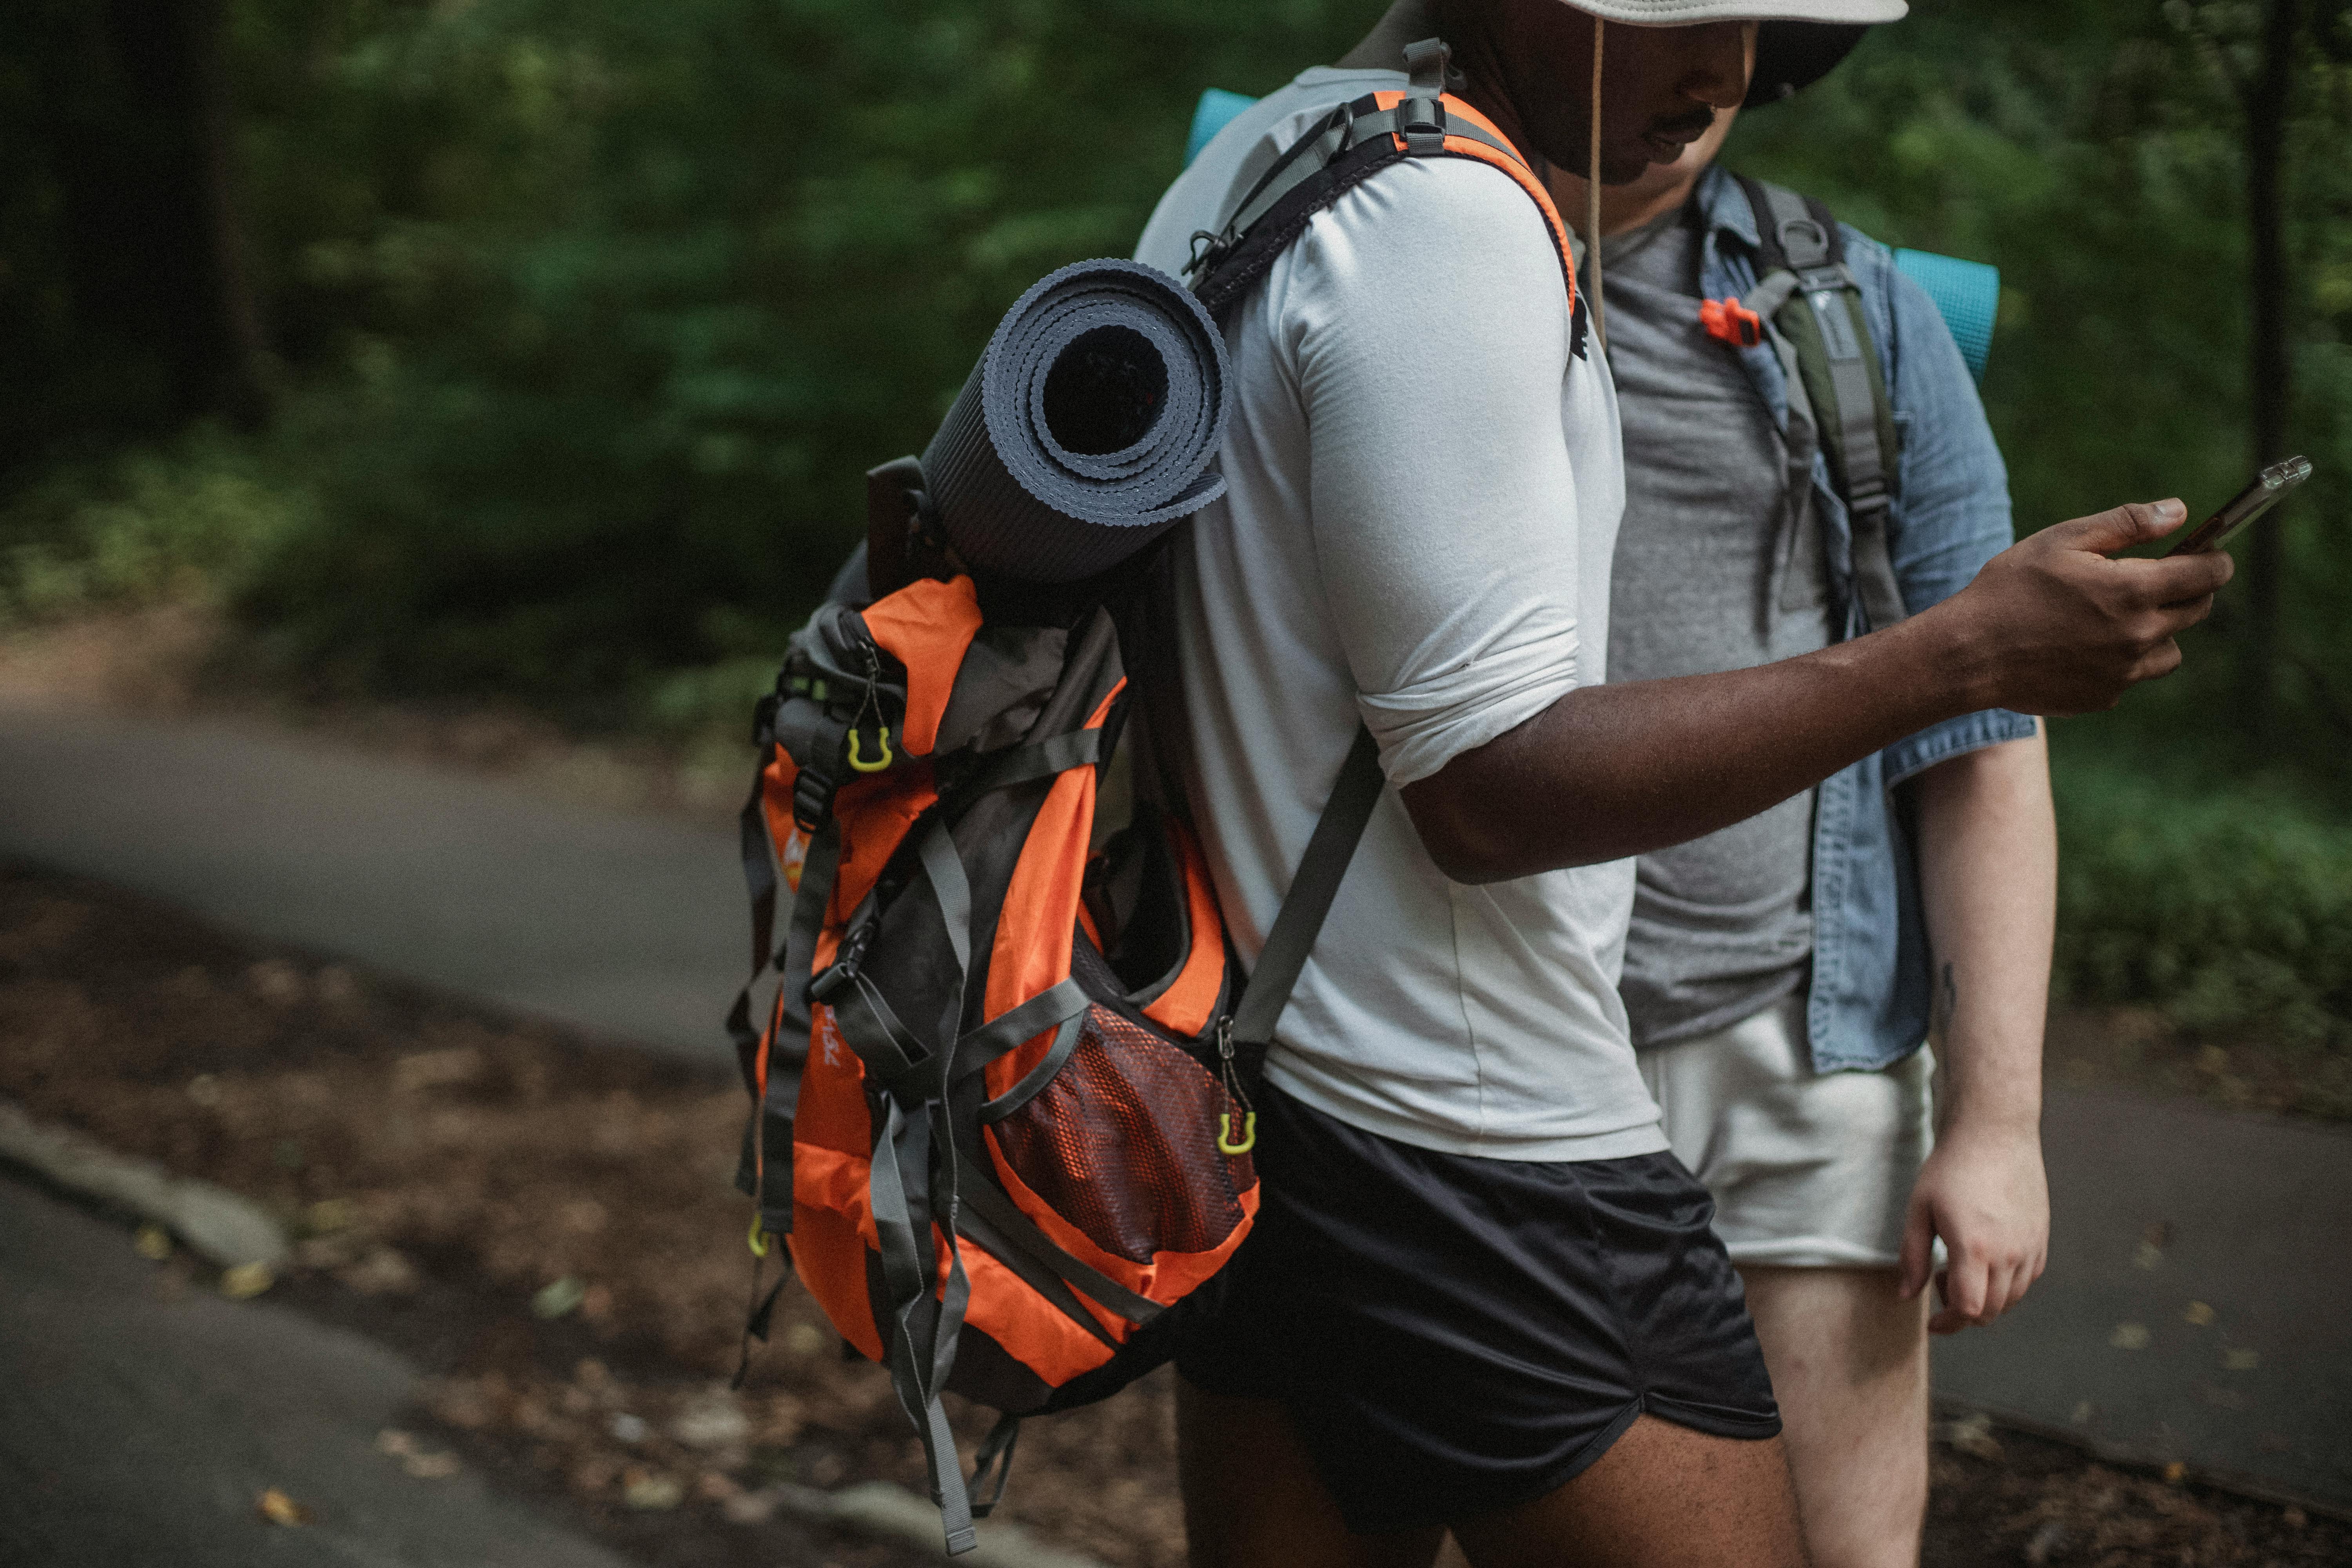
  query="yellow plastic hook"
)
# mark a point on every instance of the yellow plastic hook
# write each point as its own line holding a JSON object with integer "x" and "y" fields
{"x": 859, "y": 765}
{"x": 759, "y": 1238}
{"x": 1227, "y": 1143}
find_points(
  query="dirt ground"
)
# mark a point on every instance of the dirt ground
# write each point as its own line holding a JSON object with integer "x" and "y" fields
{"x": 548, "y": 1226}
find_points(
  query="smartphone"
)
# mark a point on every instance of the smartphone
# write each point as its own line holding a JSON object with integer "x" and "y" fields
{"x": 2270, "y": 488}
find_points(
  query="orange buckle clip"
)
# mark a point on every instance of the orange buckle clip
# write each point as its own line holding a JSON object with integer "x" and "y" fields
{"x": 1730, "y": 322}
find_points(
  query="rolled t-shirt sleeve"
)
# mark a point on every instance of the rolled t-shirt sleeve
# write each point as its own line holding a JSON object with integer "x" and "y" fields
{"x": 1427, "y": 324}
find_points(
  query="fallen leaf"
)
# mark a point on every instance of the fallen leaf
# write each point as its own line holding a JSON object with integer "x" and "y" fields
{"x": 279, "y": 1509}
{"x": 329, "y": 1215}
{"x": 2200, "y": 1315}
{"x": 431, "y": 1466}
{"x": 394, "y": 1441}
{"x": 559, "y": 1299}
{"x": 751, "y": 1508}
{"x": 628, "y": 1428}
{"x": 2241, "y": 1360}
{"x": 646, "y": 1490}
{"x": 276, "y": 982}
{"x": 713, "y": 1421}
{"x": 153, "y": 1242}
{"x": 2175, "y": 1471}
{"x": 1973, "y": 1435}
{"x": 2149, "y": 1256}
{"x": 383, "y": 1272}
{"x": 246, "y": 1280}
{"x": 803, "y": 1339}
{"x": 436, "y": 1070}
{"x": 2129, "y": 1337}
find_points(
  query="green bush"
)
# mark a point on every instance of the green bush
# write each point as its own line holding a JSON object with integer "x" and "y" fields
{"x": 2229, "y": 908}
{"x": 184, "y": 519}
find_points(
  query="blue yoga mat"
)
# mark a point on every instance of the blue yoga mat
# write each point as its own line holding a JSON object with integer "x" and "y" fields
{"x": 1967, "y": 293}
{"x": 1089, "y": 425}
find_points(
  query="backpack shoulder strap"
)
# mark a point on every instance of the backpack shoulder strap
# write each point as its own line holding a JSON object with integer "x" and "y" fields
{"x": 1297, "y": 923}
{"x": 1809, "y": 297}
{"x": 1353, "y": 142}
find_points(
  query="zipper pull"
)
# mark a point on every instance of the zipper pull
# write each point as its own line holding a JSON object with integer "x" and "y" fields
{"x": 1227, "y": 1144}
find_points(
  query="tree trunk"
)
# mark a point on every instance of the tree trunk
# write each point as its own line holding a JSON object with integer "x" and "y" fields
{"x": 2269, "y": 373}
{"x": 157, "y": 272}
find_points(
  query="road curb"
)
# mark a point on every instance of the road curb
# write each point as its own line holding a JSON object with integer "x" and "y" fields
{"x": 212, "y": 1222}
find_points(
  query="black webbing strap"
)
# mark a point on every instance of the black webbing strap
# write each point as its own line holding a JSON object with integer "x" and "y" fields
{"x": 1823, "y": 335}
{"x": 912, "y": 1188}
{"x": 981, "y": 1197}
{"x": 1050, "y": 1008}
{"x": 788, "y": 1026}
{"x": 1320, "y": 870}
{"x": 993, "y": 1454}
{"x": 1044, "y": 759}
{"x": 1353, "y": 142}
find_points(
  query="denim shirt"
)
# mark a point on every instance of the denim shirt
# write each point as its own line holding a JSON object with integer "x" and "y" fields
{"x": 1868, "y": 1004}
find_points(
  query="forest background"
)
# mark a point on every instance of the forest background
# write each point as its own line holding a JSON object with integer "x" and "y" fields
{"x": 533, "y": 350}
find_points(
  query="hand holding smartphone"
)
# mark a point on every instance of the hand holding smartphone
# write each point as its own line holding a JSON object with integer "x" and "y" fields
{"x": 2270, "y": 488}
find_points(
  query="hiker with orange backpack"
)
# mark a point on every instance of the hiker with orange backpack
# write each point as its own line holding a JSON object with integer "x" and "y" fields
{"x": 1481, "y": 1294}
{"x": 1033, "y": 1110}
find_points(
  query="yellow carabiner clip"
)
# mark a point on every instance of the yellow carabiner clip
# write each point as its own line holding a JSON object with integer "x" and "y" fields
{"x": 1226, "y": 1143}
{"x": 859, "y": 765}
{"x": 759, "y": 1238}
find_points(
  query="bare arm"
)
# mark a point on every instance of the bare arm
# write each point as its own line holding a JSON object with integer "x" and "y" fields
{"x": 2051, "y": 625}
{"x": 1989, "y": 877}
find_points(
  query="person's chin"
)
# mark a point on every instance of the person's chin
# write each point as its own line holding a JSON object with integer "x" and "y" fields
{"x": 1623, "y": 167}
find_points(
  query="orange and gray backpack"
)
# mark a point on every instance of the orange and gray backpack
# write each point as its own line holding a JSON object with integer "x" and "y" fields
{"x": 1001, "y": 1095}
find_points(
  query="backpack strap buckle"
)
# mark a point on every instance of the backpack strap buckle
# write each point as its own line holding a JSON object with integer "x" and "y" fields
{"x": 1421, "y": 117}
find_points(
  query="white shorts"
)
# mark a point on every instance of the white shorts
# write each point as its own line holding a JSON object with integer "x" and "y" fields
{"x": 1808, "y": 1170}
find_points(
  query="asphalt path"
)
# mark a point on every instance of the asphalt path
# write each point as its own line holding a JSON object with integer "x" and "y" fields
{"x": 142, "y": 1427}
{"x": 627, "y": 925}
{"x": 2193, "y": 1310}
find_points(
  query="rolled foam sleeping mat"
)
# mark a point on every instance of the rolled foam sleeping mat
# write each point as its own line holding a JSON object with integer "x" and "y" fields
{"x": 1089, "y": 426}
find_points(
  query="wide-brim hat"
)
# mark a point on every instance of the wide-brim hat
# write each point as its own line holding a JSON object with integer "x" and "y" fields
{"x": 1797, "y": 45}
{"x": 1790, "y": 54}
{"x": 1691, "y": 13}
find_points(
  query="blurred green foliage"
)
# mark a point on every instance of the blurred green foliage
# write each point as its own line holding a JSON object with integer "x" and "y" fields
{"x": 2231, "y": 907}
{"x": 589, "y": 314}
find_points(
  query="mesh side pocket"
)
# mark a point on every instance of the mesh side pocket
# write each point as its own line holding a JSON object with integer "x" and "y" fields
{"x": 1123, "y": 1144}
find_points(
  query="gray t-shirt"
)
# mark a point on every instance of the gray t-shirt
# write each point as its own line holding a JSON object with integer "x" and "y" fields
{"x": 1709, "y": 577}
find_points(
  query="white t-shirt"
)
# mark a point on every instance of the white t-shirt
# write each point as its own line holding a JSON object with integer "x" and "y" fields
{"x": 1421, "y": 502}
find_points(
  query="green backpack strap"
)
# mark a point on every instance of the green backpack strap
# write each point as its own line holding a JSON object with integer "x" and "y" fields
{"x": 1813, "y": 310}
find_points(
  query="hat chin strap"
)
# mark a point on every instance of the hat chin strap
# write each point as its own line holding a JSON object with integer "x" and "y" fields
{"x": 1592, "y": 193}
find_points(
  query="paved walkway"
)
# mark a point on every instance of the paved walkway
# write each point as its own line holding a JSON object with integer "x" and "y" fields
{"x": 633, "y": 927}
{"x": 141, "y": 1429}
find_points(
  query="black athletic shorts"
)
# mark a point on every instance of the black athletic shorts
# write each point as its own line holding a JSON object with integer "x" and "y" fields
{"x": 1455, "y": 1335}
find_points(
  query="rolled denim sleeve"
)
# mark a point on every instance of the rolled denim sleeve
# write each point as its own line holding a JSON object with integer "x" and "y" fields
{"x": 1952, "y": 515}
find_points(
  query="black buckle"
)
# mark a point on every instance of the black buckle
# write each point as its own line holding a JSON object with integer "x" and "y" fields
{"x": 1422, "y": 122}
{"x": 813, "y": 794}
{"x": 839, "y": 976}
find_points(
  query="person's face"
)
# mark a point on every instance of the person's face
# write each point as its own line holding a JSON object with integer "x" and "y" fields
{"x": 1661, "y": 87}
